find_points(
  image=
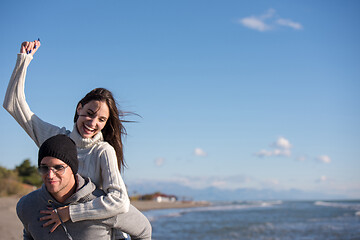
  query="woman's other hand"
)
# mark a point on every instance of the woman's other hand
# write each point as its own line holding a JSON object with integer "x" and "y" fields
{"x": 30, "y": 47}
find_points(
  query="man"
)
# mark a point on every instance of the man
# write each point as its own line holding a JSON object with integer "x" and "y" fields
{"x": 58, "y": 165}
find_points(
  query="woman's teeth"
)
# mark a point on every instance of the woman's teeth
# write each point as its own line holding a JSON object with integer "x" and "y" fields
{"x": 89, "y": 128}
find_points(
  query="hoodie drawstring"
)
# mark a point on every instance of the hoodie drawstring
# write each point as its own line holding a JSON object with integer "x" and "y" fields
{"x": 62, "y": 223}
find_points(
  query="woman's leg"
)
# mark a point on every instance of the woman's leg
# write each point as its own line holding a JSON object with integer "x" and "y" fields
{"x": 134, "y": 223}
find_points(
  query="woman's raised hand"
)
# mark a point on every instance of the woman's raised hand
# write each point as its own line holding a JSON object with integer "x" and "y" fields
{"x": 30, "y": 47}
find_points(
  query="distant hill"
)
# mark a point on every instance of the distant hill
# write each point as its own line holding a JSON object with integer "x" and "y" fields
{"x": 216, "y": 194}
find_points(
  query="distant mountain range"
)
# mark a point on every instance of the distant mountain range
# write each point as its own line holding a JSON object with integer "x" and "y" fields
{"x": 216, "y": 194}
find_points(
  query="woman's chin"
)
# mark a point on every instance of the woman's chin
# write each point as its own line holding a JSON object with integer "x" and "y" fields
{"x": 87, "y": 134}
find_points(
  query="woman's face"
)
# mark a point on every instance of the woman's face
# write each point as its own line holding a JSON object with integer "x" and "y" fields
{"x": 92, "y": 118}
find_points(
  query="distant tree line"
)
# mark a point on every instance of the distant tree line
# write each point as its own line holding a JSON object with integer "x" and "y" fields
{"x": 19, "y": 181}
{"x": 144, "y": 197}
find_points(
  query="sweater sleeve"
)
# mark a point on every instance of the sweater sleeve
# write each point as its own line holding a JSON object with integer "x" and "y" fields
{"x": 15, "y": 103}
{"x": 115, "y": 201}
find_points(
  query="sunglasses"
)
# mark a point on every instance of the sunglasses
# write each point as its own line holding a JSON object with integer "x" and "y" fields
{"x": 57, "y": 169}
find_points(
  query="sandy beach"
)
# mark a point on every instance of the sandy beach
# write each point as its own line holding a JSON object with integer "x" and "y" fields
{"x": 11, "y": 227}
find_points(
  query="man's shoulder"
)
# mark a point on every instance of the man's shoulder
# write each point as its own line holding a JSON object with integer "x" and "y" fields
{"x": 87, "y": 192}
{"x": 30, "y": 203}
{"x": 29, "y": 198}
{"x": 93, "y": 191}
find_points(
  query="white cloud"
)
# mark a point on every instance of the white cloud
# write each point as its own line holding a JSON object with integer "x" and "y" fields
{"x": 282, "y": 149}
{"x": 282, "y": 152}
{"x": 258, "y": 22}
{"x": 268, "y": 21}
{"x": 200, "y": 152}
{"x": 275, "y": 152}
{"x": 255, "y": 23}
{"x": 324, "y": 159}
{"x": 159, "y": 161}
{"x": 282, "y": 143}
{"x": 264, "y": 153}
{"x": 289, "y": 23}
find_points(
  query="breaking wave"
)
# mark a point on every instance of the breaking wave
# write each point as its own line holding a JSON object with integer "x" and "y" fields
{"x": 221, "y": 206}
{"x": 355, "y": 206}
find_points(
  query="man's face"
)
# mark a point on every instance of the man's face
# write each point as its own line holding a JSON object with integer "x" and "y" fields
{"x": 56, "y": 183}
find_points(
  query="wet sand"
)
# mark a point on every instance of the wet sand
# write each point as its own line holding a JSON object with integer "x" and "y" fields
{"x": 151, "y": 205}
{"x": 11, "y": 227}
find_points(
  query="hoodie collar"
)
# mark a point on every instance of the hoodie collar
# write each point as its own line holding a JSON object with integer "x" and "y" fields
{"x": 84, "y": 187}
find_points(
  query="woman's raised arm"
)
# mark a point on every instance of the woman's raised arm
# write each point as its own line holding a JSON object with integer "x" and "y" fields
{"x": 15, "y": 101}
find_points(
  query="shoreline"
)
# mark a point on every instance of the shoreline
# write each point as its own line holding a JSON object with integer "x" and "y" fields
{"x": 153, "y": 205}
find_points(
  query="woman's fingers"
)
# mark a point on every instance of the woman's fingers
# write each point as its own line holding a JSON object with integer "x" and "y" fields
{"x": 27, "y": 47}
{"x": 36, "y": 45}
{"x": 55, "y": 226}
{"x": 23, "y": 47}
{"x": 47, "y": 211}
{"x": 52, "y": 218}
{"x": 47, "y": 217}
{"x": 52, "y": 221}
{"x": 30, "y": 47}
{"x": 50, "y": 214}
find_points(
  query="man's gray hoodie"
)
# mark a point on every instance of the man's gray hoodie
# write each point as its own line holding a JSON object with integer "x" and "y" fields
{"x": 29, "y": 206}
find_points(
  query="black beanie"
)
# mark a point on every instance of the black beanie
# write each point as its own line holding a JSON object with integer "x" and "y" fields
{"x": 61, "y": 147}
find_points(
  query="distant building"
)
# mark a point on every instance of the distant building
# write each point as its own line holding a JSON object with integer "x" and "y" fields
{"x": 160, "y": 197}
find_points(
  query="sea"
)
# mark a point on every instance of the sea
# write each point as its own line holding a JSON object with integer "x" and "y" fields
{"x": 260, "y": 220}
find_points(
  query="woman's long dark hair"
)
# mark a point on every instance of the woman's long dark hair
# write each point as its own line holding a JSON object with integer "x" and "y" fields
{"x": 114, "y": 130}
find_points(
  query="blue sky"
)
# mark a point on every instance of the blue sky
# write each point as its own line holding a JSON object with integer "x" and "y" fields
{"x": 232, "y": 94}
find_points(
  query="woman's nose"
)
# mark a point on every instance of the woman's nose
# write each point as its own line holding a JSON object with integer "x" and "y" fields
{"x": 92, "y": 122}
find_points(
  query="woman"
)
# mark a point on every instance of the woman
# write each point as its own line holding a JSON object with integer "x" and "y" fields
{"x": 97, "y": 133}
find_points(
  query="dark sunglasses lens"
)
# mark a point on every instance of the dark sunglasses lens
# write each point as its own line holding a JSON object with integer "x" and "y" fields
{"x": 43, "y": 169}
{"x": 59, "y": 168}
